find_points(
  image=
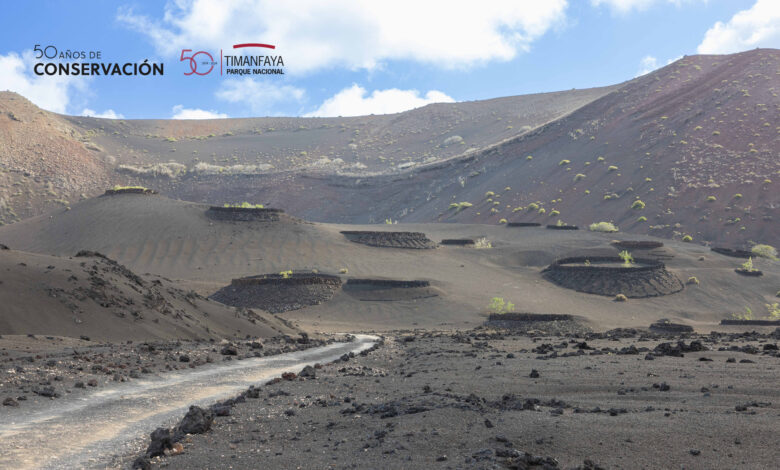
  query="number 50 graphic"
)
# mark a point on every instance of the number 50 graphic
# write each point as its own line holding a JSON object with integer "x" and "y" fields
{"x": 194, "y": 63}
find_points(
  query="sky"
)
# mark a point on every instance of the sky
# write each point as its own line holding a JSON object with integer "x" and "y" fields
{"x": 347, "y": 58}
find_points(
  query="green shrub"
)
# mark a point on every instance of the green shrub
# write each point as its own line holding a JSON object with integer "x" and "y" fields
{"x": 642, "y": 219}
{"x": 578, "y": 177}
{"x": 564, "y": 162}
{"x": 499, "y": 305}
{"x": 628, "y": 260}
{"x": 692, "y": 281}
{"x": 490, "y": 194}
{"x": 620, "y": 298}
{"x": 286, "y": 274}
{"x": 748, "y": 265}
{"x": 711, "y": 199}
{"x": 482, "y": 243}
{"x": 603, "y": 227}
{"x": 459, "y": 206}
{"x": 612, "y": 168}
{"x": 638, "y": 205}
{"x": 502, "y": 221}
{"x": 748, "y": 315}
{"x": 765, "y": 251}
{"x": 687, "y": 238}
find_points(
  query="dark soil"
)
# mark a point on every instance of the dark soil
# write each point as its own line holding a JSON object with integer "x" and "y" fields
{"x": 523, "y": 224}
{"x": 637, "y": 244}
{"x": 457, "y": 241}
{"x": 649, "y": 278}
{"x": 416, "y": 240}
{"x": 548, "y": 323}
{"x": 377, "y": 290}
{"x": 244, "y": 214}
{"x": 114, "y": 192}
{"x": 735, "y": 253}
{"x": 752, "y": 273}
{"x": 276, "y": 294}
{"x": 751, "y": 322}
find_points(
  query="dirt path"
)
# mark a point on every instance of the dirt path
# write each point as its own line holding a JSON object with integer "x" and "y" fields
{"x": 89, "y": 432}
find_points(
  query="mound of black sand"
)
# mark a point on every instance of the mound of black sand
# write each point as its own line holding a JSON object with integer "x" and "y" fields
{"x": 416, "y": 240}
{"x": 734, "y": 253}
{"x": 751, "y": 322}
{"x": 114, "y": 192}
{"x": 749, "y": 272}
{"x": 244, "y": 214}
{"x": 667, "y": 327}
{"x": 637, "y": 244}
{"x": 563, "y": 227}
{"x": 645, "y": 278}
{"x": 547, "y": 323}
{"x": 523, "y": 224}
{"x": 388, "y": 290}
{"x": 276, "y": 293}
{"x": 457, "y": 241}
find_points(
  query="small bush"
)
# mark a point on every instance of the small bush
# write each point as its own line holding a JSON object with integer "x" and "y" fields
{"x": 774, "y": 311}
{"x": 612, "y": 168}
{"x": 628, "y": 260}
{"x": 490, "y": 194}
{"x": 620, "y": 298}
{"x": 687, "y": 238}
{"x": 748, "y": 315}
{"x": 738, "y": 196}
{"x": 286, "y": 274}
{"x": 764, "y": 251}
{"x": 748, "y": 265}
{"x": 482, "y": 243}
{"x": 343, "y": 270}
{"x": 502, "y": 221}
{"x": 692, "y": 281}
{"x": 642, "y": 219}
{"x": 578, "y": 177}
{"x": 564, "y": 162}
{"x": 603, "y": 227}
{"x": 638, "y": 205}
{"x": 499, "y": 305}
{"x": 459, "y": 206}
{"x": 711, "y": 199}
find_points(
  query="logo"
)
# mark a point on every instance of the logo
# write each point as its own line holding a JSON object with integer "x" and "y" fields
{"x": 202, "y": 62}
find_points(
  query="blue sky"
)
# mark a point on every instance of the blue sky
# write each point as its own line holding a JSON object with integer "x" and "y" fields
{"x": 348, "y": 58}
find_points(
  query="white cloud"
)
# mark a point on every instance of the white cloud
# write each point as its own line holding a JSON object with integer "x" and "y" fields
{"x": 758, "y": 26}
{"x": 650, "y": 63}
{"x": 626, "y": 6}
{"x": 354, "y": 102}
{"x": 647, "y": 65}
{"x": 312, "y": 34}
{"x": 180, "y": 112}
{"x": 107, "y": 114}
{"x": 258, "y": 95}
{"x": 53, "y": 93}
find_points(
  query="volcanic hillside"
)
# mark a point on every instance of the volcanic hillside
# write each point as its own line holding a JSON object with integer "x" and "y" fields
{"x": 689, "y": 149}
{"x": 399, "y": 283}
{"x": 48, "y": 160}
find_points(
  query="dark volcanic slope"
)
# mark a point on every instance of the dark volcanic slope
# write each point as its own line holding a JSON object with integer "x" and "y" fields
{"x": 48, "y": 160}
{"x": 177, "y": 240}
{"x": 690, "y": 149}
{"x": 98, "y": 298}
{"x": 696, "y": 142}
